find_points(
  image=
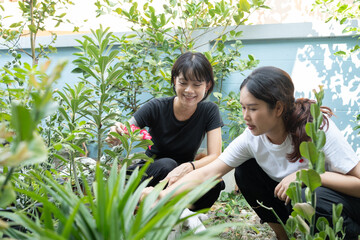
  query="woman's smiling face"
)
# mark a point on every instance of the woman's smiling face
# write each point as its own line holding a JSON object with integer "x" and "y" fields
{"x": 190, "y": 92}
{"x": 259, "y": 118}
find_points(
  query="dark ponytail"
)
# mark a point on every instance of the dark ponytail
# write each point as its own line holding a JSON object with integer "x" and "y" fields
{"x": 296, "y": 122}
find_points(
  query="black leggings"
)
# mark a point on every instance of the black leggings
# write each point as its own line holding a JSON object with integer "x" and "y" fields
{"x": 255, "y": 185}
{"x": 160, "y": 168}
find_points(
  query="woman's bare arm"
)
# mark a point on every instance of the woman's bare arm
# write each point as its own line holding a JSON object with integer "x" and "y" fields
{"x": 216, "y": 168}
{"x": 214, "y": 142}
{"x": 345, "y": 183}
{"x": 213, "y": 151}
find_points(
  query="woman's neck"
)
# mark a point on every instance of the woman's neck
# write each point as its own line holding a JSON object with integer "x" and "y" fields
{"x": 278, "y": 135}
{"x": 181, "y": 112}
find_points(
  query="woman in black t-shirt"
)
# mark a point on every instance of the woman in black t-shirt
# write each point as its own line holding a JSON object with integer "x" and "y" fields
{"x": 179, "y": 124}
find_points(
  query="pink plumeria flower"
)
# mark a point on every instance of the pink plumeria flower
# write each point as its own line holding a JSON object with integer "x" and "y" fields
{"x": 134, "y": 128}
{"x": 143, "y": 131}
{"x": 147, "y": 137}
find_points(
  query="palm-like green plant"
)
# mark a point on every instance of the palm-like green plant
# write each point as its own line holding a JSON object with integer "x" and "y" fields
{"x": 111, "y": 211}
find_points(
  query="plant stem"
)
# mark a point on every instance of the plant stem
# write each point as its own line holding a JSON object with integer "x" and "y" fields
{"x": 75, "y": 175}
{"x": 277, "y": 216}
{"x": 8, "y": 176}
{"x": 32, "y": 35}
{"x": 313, "y": 223}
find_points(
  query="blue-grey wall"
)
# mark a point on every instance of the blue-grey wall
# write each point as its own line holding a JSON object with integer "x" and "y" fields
{"x": 311, "y": 62}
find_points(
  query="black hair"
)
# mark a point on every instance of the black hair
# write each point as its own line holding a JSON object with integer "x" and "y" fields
{"x": 271, "y": 85}
{"x": 194, "y": 66}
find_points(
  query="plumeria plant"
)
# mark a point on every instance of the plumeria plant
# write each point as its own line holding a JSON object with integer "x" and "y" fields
{"x": 134, "y": 139}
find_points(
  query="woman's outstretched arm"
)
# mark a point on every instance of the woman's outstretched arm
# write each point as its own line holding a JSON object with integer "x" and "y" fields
{"x": 345, "y": 183}
{"x": 213, "y": 151}
{"x": 216, "y": 168}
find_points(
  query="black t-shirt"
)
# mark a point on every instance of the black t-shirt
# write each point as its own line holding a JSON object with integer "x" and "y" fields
{"x": 175, "y": 139}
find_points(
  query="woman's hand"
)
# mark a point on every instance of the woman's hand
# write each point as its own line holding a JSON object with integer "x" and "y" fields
{"x": 281, "y": 188}
{"x": 178, "y": 173}
{"x": 119, "y": 128}
{"x": 146, "y": 192}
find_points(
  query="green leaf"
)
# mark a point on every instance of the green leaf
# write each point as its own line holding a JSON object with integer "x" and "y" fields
{"x": 123, "y": 139}
{"x": 70, "y": 221}
{"x": 321, "y": 223}
{"x": 291, "y": 225}
{"x": 118, "y": 10}
{"x": 131, "y": 35}
{"x": 293, "y": 192}
{"x": 38, "y": 151}
{"x": 7, "y": 195}
{"x": 32, "y": 28}
{"x": 218, "y": 95}
{"x": 162, "y": 19}
{"x": 77, "y": 148}
{"x": 330, "y": 232}
{"x": 57, "y": 146}
{"x": 110, "y": 153}
{"x": 311, "y": 131}
{"x": 23, "y": 129}
{"x": 302, "y": 225}
{"x": 305, "y": 210}
{"x": 14, "y": 25}
{"x": 321, "y": 139}
{"x": 339, "y": 225}
{"x": 336, "y": 210}
{"x": 320, "y": 164}
{"x": 315, "y": 112}
{"x": 308, "y": 195}
{"x": 310, "y": 178}
{"x": 340, "y": 53}
{"x": 244, "y": 6}
{"x": 309, "y": 151}
{"x": 60, "y": 157}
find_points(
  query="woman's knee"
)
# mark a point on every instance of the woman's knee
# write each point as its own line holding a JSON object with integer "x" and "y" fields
{"x": 161, "y": 167}
{"x": 243, "y": 173}
{"x": 250, "y": 177}
{"x": 326, "y": 198}
{"x": 165, "y": 164}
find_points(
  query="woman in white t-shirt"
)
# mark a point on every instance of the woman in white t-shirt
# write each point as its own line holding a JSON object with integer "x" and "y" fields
{"x": 266, "y": 156}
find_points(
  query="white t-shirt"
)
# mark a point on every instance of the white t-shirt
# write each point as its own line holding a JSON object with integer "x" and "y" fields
{"x": 339, "y": 156}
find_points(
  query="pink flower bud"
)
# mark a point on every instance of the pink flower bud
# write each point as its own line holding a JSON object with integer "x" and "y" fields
{"x": 143, "y": 131}
{"x": 133, "y": 127}
{"x": 147, "y": 136}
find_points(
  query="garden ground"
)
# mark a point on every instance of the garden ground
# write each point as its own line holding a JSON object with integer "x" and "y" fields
{"x": 232, "y": 207}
